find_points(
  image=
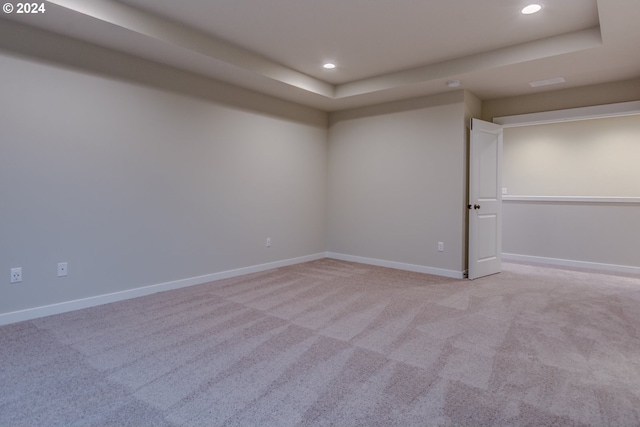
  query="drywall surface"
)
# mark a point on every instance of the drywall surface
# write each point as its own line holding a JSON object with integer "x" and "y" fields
{"x": 133, "y": 185}
{"x": 577, "y": 160}
{"x": 601, "y": 233}
{"x": 397, "y": 182}
{"x": 586, "y": 96}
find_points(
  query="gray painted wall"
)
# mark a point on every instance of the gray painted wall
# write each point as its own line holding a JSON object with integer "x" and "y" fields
{"x": 137, "y": 183}
{"x": 397, "y": 179}
{"x": 584, "y": 232}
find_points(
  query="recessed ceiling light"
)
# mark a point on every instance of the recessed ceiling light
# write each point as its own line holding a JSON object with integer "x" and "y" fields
{"x": 532, "y": 8}
{"x": 453, "y": 83}
{"x": 329, "y": 65}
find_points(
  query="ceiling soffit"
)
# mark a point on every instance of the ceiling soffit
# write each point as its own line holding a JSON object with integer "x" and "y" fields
{"x": 120, "y": 26}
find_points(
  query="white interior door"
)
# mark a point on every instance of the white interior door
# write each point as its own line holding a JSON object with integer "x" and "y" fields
{"x": 485, "y": 199}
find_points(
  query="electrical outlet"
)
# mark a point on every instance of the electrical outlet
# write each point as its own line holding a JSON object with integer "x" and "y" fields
{"x": 440, "y": 246}
{"x": 268, "y": 243}
{"x": 504, "y": 190}
{"x": 16, "y": 275}
{"x": 62, "y": 269}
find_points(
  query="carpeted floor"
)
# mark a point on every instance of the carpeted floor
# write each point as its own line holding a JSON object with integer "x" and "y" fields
{"x": 331, "y": 343}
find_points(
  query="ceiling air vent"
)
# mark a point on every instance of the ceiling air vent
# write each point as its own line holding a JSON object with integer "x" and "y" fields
{"x": 546, "y": 82}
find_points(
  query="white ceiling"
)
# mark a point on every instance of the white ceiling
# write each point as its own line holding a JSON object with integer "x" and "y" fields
{"x": 385, "y": 50}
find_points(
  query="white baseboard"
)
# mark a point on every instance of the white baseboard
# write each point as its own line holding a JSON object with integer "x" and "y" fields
{"x": 614, "y": 268}
{"x": 398, "y": 265}
{"x": 63, "y": 307}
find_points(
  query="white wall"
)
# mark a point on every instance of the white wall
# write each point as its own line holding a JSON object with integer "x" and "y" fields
{"x": 592, "y": 158}
{"x": 397, "y": 179}
{"x": 137, "y": 174}
{"x": 579, "y": 158}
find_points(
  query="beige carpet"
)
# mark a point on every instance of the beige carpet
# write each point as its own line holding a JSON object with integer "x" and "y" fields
{"x": 335, "y": 343}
